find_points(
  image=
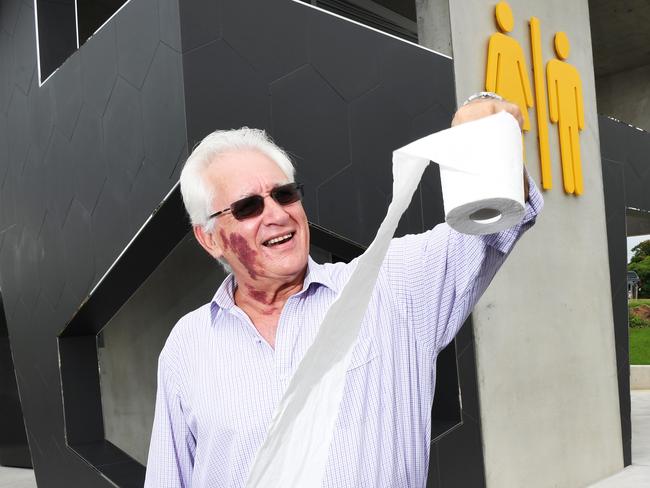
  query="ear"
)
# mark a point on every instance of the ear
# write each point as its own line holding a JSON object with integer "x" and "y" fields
{"x": 209, "y": 241}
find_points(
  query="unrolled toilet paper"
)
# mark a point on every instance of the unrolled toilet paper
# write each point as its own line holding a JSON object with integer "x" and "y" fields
{"x": 481, "y": 176}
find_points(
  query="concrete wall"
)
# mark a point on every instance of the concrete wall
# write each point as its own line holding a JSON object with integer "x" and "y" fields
{"x": 546, "y": 359}
{"x": 134, "y": 337}
{"x": 434, "y": 30}
{"x": 626, "y": 96}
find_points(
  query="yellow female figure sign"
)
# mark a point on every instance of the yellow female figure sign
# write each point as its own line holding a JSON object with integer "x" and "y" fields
{"x": 506, "y": 73}
{"x": 567, "y": 111}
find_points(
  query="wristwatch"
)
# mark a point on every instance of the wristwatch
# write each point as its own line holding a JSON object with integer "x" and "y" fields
{"x": 483, "y": 94}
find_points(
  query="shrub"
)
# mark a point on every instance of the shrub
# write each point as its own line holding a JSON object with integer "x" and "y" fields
{"x": 638, "y": 322}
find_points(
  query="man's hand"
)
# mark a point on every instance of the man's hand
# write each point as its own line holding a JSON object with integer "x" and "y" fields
{"x": 484, "y": 107}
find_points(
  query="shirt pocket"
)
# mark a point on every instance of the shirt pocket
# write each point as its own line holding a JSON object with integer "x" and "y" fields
{"x": 363, "y": 353}
{"x": 362, "y": 379}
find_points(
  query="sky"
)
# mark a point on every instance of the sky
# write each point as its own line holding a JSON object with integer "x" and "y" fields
{"x": 633, "y": 241}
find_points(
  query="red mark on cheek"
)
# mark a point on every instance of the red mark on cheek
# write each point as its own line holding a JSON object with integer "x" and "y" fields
{"x": 244, "y": 253}
{"x": 224, "y": 239}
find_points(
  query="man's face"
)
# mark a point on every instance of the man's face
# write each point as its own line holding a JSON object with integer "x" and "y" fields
{"x": 245, "y": 243}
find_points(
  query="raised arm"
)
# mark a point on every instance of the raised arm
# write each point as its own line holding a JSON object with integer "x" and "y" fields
{"x": 441, "y": 274}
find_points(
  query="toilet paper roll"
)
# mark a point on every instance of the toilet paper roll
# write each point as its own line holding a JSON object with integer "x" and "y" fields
{"x": 485, "y": 216}
{"x": 481, "y": 164}
{"x": 482, "y": 168}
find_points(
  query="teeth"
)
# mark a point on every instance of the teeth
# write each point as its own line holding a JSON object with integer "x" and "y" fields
{"x": 276, "y": 240}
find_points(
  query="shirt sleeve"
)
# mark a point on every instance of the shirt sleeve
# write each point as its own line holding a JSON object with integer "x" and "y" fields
{"x": 171, "y": 451}
{"x": 438, "y": 276}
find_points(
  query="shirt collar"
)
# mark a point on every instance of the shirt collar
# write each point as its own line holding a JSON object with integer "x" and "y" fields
{"x": 224, "y": 298}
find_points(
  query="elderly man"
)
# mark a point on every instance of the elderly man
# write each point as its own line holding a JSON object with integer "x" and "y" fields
{"x": 226, "y": 365}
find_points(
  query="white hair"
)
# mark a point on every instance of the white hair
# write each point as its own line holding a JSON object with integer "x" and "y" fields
{"x": 197, "y": 194}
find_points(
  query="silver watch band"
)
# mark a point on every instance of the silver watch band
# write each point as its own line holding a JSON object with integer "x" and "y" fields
{"x": 483, "y": 94}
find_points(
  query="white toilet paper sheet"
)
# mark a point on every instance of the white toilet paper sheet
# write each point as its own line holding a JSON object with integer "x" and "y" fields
{"x": 481, "y": 171}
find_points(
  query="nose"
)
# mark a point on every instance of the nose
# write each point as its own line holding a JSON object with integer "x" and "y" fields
{"x": 274, "y": 213}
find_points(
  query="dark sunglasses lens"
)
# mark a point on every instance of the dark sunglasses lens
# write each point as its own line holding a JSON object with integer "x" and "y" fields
{"x": 286, "y": 194}
{"x": 247, "y": 207}
{"x": 254, "y": 205}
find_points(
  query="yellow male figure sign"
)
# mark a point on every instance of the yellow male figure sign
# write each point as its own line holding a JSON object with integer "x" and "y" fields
{"x": 566, "y": 109}
{"x": 506, "y": 73}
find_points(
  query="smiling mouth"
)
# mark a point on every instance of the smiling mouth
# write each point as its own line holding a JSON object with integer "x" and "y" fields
{"x": 279, "y": 240}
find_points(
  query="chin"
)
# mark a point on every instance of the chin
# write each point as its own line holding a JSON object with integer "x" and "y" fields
{"x": 292, "y": 267}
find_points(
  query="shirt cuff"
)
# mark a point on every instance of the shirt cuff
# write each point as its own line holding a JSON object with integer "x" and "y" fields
{"x": 504, "y": 240}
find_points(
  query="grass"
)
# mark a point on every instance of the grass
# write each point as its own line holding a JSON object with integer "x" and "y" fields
{"x": 640, "y": 346}
{"x": 636, "y": 303}
{"x": 639, "y": 334}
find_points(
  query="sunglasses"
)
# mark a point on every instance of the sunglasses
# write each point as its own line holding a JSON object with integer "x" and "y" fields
{"x": 254, "y": 205}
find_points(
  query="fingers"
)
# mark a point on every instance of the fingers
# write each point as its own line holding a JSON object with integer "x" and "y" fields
{"x": 485, "y": 107}
{"x": 514, "y": 110}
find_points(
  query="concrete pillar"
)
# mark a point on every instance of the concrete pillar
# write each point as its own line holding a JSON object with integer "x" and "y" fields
{"x": 434, "y": 30}
{"x": 544, "y": 329}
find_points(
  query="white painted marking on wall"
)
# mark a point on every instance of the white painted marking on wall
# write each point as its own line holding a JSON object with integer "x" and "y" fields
{"x": 76, "y": 21}
{"x": 371, "y": 28}
{"x": 38, "y": 50}
{"x": 134, "y": 237}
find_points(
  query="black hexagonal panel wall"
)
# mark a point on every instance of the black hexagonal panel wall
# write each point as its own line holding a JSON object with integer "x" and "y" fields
{"x": 80, "y": 171}
{"x": 13, "y": 441}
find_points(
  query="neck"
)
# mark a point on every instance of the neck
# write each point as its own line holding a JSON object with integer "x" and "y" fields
{"x": 265, "y": 298}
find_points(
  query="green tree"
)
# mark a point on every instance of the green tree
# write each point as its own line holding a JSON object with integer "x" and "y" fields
{"x": 640, "y": 263}
{"x": 641, "y": 251}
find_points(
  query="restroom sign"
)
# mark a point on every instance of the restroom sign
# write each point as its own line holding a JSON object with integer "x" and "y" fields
{"x": 557, "y": 87}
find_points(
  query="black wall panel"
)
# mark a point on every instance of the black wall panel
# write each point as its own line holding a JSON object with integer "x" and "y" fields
{"x": 630, "y": 147}
{"x": 91, "y": 14}
{"x": 56, "y": 33}
{"x": 14, "y": 450}
{"x": 84, "y": 159}
{"x": 625, "y": 157}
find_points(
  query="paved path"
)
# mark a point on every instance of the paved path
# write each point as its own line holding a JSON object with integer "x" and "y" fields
{"x": 16, "y": 478}
{"x": 638, "y": 474}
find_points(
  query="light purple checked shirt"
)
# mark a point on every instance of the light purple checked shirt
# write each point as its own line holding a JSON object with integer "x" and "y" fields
{"x": 219, "y": 381}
